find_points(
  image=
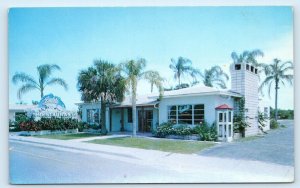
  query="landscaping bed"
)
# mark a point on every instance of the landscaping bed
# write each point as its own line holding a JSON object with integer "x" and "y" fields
{"x": 176, "y": 146}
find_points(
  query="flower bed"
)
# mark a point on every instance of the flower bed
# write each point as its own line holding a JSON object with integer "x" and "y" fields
{"x": 204, "y": 132}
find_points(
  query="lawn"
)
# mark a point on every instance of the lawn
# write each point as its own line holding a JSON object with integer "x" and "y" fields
{"x": 176, "y": 146}
{"x": 68, "y": 136}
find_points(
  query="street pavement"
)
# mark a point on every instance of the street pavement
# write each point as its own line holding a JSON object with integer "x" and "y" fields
{"x": 275, "y": 147}
{"x": 43, "y": 161}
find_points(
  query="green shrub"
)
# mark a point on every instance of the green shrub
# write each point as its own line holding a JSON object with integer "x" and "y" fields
{"x": 182, "y": 130}
{"x": 82, "y": 126}
{"x": 164, "y": 130}
{"x": 52, "y": 124}
{"x": 274, "y": 124}
{"x": 204, "y": 131}
{"x": 207, "y": 133}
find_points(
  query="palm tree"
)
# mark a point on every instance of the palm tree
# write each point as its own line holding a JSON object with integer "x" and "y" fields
{"x": 247, "y": 57}
{"x": 102, "y": 82}
{"x": 134, "y": 71}
{"x": 181, "y": 67}
{"x": 215, "y": 76}
{"x": 277, "y": 72}
{"x": 44, "y": 75}
{"x": 154, "y": 78}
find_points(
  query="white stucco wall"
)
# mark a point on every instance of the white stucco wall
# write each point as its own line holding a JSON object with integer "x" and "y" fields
{"x": 210, "y": 103}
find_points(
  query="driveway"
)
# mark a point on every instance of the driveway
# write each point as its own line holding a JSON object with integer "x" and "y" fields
{"x": 275, "y": 147}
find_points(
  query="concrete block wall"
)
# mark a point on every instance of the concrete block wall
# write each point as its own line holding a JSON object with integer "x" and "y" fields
{"x": 246, "y": 83}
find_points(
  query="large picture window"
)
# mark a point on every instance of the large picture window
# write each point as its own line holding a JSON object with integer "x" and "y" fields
{"x": 186, "y": 114}
{"x": 93, "y": 116}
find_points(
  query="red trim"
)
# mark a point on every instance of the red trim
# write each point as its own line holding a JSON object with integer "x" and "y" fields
{"x": 224, "y": 107}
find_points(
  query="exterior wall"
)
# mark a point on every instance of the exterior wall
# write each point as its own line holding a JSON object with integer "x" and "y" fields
{"x": 246, "y": 83}
{"x": 116, "y": 120}
{"x": 210, "y": 103}
{"x": 87, "y": 106}
{"x": 12, "y": 114}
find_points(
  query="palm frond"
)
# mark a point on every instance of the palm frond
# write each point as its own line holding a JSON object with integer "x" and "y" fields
{"x": 26, "y": 88}
{"x": 58, "y": 81}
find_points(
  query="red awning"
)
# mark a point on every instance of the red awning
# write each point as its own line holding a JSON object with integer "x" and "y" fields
{"x": 224, "y": 107}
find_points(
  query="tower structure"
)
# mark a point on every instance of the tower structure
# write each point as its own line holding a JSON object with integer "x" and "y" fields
{"x": 245, "y": 80}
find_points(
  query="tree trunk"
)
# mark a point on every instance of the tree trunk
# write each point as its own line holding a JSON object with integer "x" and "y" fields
{"x": 134, "y": 108}
{"x": 42, "y": 93}
{"x": 103, "y": 116}
{"x": 276, "y": 98}
{"x": 151, "y": 87}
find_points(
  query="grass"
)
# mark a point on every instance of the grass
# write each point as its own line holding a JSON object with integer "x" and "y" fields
{"x": 176, "y": 146}
{"x": 68, "y": 136}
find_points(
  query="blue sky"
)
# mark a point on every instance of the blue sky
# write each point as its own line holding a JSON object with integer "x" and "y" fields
{"x": 73, "y": 37}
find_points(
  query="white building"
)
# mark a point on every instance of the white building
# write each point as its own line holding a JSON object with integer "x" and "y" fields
{"x": 189, "y": 106}
{"x": 18, "y": 109}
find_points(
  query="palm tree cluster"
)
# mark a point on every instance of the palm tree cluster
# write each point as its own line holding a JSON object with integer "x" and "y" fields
{"x": 107, "y": 83}
{"x": 102, "y": 82}
{"x": 213, "y": 77}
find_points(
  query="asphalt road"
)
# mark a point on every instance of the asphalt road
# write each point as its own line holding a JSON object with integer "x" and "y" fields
{"x": 36, "y": 165}
{"x": 275, "y": 147}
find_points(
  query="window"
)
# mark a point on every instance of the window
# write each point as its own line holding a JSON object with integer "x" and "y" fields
{"x": 198, "y": 113}
{"x": 186, "y": 114}
{"x": 220, "y": 117}
{"x": 229, "y": 116}
{"x": 247, "y": 67}
{"x": 93, "y": 116}
{"x": 255, "y": 71}
{"x": 252, "y": 69}
{"x": 237, "y": 67}
{"x": 129, "y": 115}
{"x": 172, "y": 114}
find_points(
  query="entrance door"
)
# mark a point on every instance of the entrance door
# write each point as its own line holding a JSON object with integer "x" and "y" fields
{"x": 145, "y": 118}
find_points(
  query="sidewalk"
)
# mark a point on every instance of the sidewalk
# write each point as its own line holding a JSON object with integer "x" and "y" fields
{"x": 209, "y": 169}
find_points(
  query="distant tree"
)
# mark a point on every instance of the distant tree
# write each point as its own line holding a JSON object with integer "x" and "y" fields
{"x": 44, "y": 80}
{"x": 215, "y": 76}
{"x": 276, "y": 73}
{"x": 247, "y": 57}
{"x": 181, "y": 86}
{"x": 181, "y": 67}
{"x": 154, "y": 78}
{"x": 102, "y": 82}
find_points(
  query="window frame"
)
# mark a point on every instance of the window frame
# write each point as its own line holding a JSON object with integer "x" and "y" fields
{"x": 197, "y": 114}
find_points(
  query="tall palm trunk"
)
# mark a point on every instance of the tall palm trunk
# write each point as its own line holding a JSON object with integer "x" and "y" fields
{"x": 276, "y": 98}
{"x": 42, "y": 93}
{"x": 134, "y": 85}
{"x": 103, "y": 116}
